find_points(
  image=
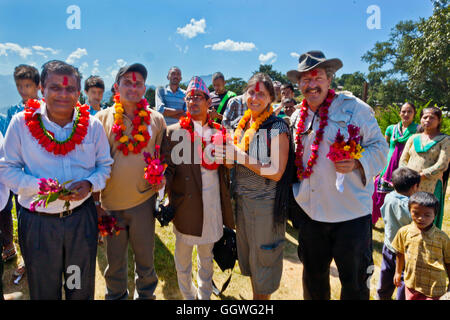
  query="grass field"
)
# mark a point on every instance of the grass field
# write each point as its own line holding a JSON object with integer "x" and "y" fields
{"x": 240, "y": 286}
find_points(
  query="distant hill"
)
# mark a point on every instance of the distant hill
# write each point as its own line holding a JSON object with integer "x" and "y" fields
{"x": 207, "y": 79}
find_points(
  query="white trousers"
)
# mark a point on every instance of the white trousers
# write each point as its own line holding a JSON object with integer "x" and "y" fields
{"x": 183, "y": 264}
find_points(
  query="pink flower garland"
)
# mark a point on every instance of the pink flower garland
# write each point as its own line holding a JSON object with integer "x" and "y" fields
{"x": 303, "y": 173}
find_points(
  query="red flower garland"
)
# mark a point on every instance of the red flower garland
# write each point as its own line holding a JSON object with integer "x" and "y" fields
{"x": 303, "y": 173}
{"x": 187, "y": 124}
{"x": 139, "y": 135}
{"x": 47, "y": 138}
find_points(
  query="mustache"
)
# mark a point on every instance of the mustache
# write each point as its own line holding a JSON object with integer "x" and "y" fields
{"x": 311, "y": 89}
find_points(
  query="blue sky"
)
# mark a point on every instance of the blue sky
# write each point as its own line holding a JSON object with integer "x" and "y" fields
{"x": 194, "y": 35}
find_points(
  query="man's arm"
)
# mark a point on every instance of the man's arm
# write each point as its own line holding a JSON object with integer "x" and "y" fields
{"x": 103, "y": 160}
{"x": 375, "y": 147}
{"x": 162, "y": 108}
{"x": 11, "y": 164}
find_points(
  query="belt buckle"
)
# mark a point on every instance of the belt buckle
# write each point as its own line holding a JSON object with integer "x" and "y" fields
{"x": 65, "y": 213}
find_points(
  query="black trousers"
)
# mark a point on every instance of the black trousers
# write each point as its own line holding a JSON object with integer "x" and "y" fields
{"x": 1, "y": 267}
{"x": 54, "y": 248}
{"x": 6, "y": 223}
{"x": 349, "y": 243}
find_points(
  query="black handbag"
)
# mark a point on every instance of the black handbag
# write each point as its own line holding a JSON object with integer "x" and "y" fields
{"x": 225, "y": 255}
{"x": 164, "y": 214}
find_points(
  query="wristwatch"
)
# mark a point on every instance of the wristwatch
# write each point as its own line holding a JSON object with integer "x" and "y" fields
{"x": 97, "y": 203}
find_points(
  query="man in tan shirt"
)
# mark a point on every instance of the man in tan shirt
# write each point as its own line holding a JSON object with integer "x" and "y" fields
{"x": 127, "y": 195}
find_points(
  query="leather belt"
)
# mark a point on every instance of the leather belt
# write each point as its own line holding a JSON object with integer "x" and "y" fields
{"x": 63, "y": 214}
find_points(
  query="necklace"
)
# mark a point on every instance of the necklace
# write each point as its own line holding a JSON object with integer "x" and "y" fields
{"x": 46, "y": 138}
{"x": 303, "y": 173}
{"x": 250, "y": 132}
{"x": 139, "y": 135}
{"x": 187, "y": 124}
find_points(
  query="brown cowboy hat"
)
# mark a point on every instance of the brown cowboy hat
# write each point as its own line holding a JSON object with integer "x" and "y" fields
{"x": 311, "y": 60}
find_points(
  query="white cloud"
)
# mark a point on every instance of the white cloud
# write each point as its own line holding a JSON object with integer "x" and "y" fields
{"x": 121, "y": 63}
{"x": 83, "y": 67}
{"x": 14, "y": 47}
{"x": 230, "y": 45}
{"x": 270, "y": 57}
{"x": 77, "y": 54}
{"x": 41, "y": 48}
{"x": 113, "y": 73}
{"x": 180, "y": 48}
{"x": 96, "y": 63}
{"x": 295, "y": 55}
{"x": 192, "y": 29}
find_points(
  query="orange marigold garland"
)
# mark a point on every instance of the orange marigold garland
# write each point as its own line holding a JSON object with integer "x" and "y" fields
{"x": 140, "y": 136}
{"x": 47, "y": 138}
{"x": 250, "y": 132}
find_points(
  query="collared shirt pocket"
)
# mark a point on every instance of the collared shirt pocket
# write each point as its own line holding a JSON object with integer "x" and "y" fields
{"x": 84, "y": 156}
{"x": 337, "y": 122}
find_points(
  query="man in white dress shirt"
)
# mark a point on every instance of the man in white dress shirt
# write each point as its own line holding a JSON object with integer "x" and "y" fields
{"x": 57, "y": 243}
{"x": 334, "y": 224}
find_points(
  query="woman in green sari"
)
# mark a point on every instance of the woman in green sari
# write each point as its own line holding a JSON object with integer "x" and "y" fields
{"x": 428, "y": 153}
{"x": 396, "y": 135}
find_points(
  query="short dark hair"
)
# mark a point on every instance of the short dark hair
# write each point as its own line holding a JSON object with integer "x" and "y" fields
{"x": 218, "y": 75}
{"x": 287, "y": 85}
{"x": 404, "y": 179}
{"x": 24, "y": 71}
{"x": 411, "y": 105}
{"x": 436, "y": 112}
{"x": 424, "y": 199}
{"x": 59, "y": 67}
{"x": 289, "y": 100}
{"x": 266, "y": 80}
{"x": 93, "y": 82}
{"x": 173, "y": 68}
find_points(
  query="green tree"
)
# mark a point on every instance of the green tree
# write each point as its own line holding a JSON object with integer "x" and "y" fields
{"x": 82, "y": 99}
{"x": 237, "y": 85}
{"x": 275, "y": 75}
{"x": 353, "y": 82}
{"x": 414, "y": 61}
{"x": 150, "y": 96}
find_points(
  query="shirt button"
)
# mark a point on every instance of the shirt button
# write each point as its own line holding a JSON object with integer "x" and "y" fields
{"x": 187, "y": 178}
{"x": 189, "y": 196}
{"x": 312, "y": 190}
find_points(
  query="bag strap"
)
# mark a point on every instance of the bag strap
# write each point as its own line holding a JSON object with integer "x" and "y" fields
{"x": 227, "y": 96}
{"x": 224, "y": 286}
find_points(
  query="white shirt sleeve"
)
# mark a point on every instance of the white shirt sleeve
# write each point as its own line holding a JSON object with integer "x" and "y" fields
{"x": 4, "y": 191}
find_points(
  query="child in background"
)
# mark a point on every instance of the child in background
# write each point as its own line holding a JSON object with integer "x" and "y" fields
{"x": 395, "y": 215}
{"x": 27, "y": 81}
{"x": 424, "y": 249}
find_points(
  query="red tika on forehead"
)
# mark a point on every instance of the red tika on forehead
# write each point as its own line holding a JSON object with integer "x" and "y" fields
{"x": 313, "y": 72}
{"x": 257, "y": 87}
{"x": 65, "y": 81}
{"x": 192, "y": 92}
{"x": 134, "y": 76}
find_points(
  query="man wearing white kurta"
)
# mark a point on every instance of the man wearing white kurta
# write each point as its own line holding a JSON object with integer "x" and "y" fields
{"x": 200, "y": 197}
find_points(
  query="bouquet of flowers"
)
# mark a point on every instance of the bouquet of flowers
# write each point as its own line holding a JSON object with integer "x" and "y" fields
{"x": 345, "y": 150}
{"x": 49, "y": 191}
{"x": 154, "y": 172}
{"x": 107, "y": 226}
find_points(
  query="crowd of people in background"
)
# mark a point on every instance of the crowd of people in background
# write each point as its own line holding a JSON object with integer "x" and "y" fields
{"x": 272, "y": 167}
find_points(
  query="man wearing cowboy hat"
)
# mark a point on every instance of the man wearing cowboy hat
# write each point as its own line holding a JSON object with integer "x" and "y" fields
{"x": 333, "y": 224}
